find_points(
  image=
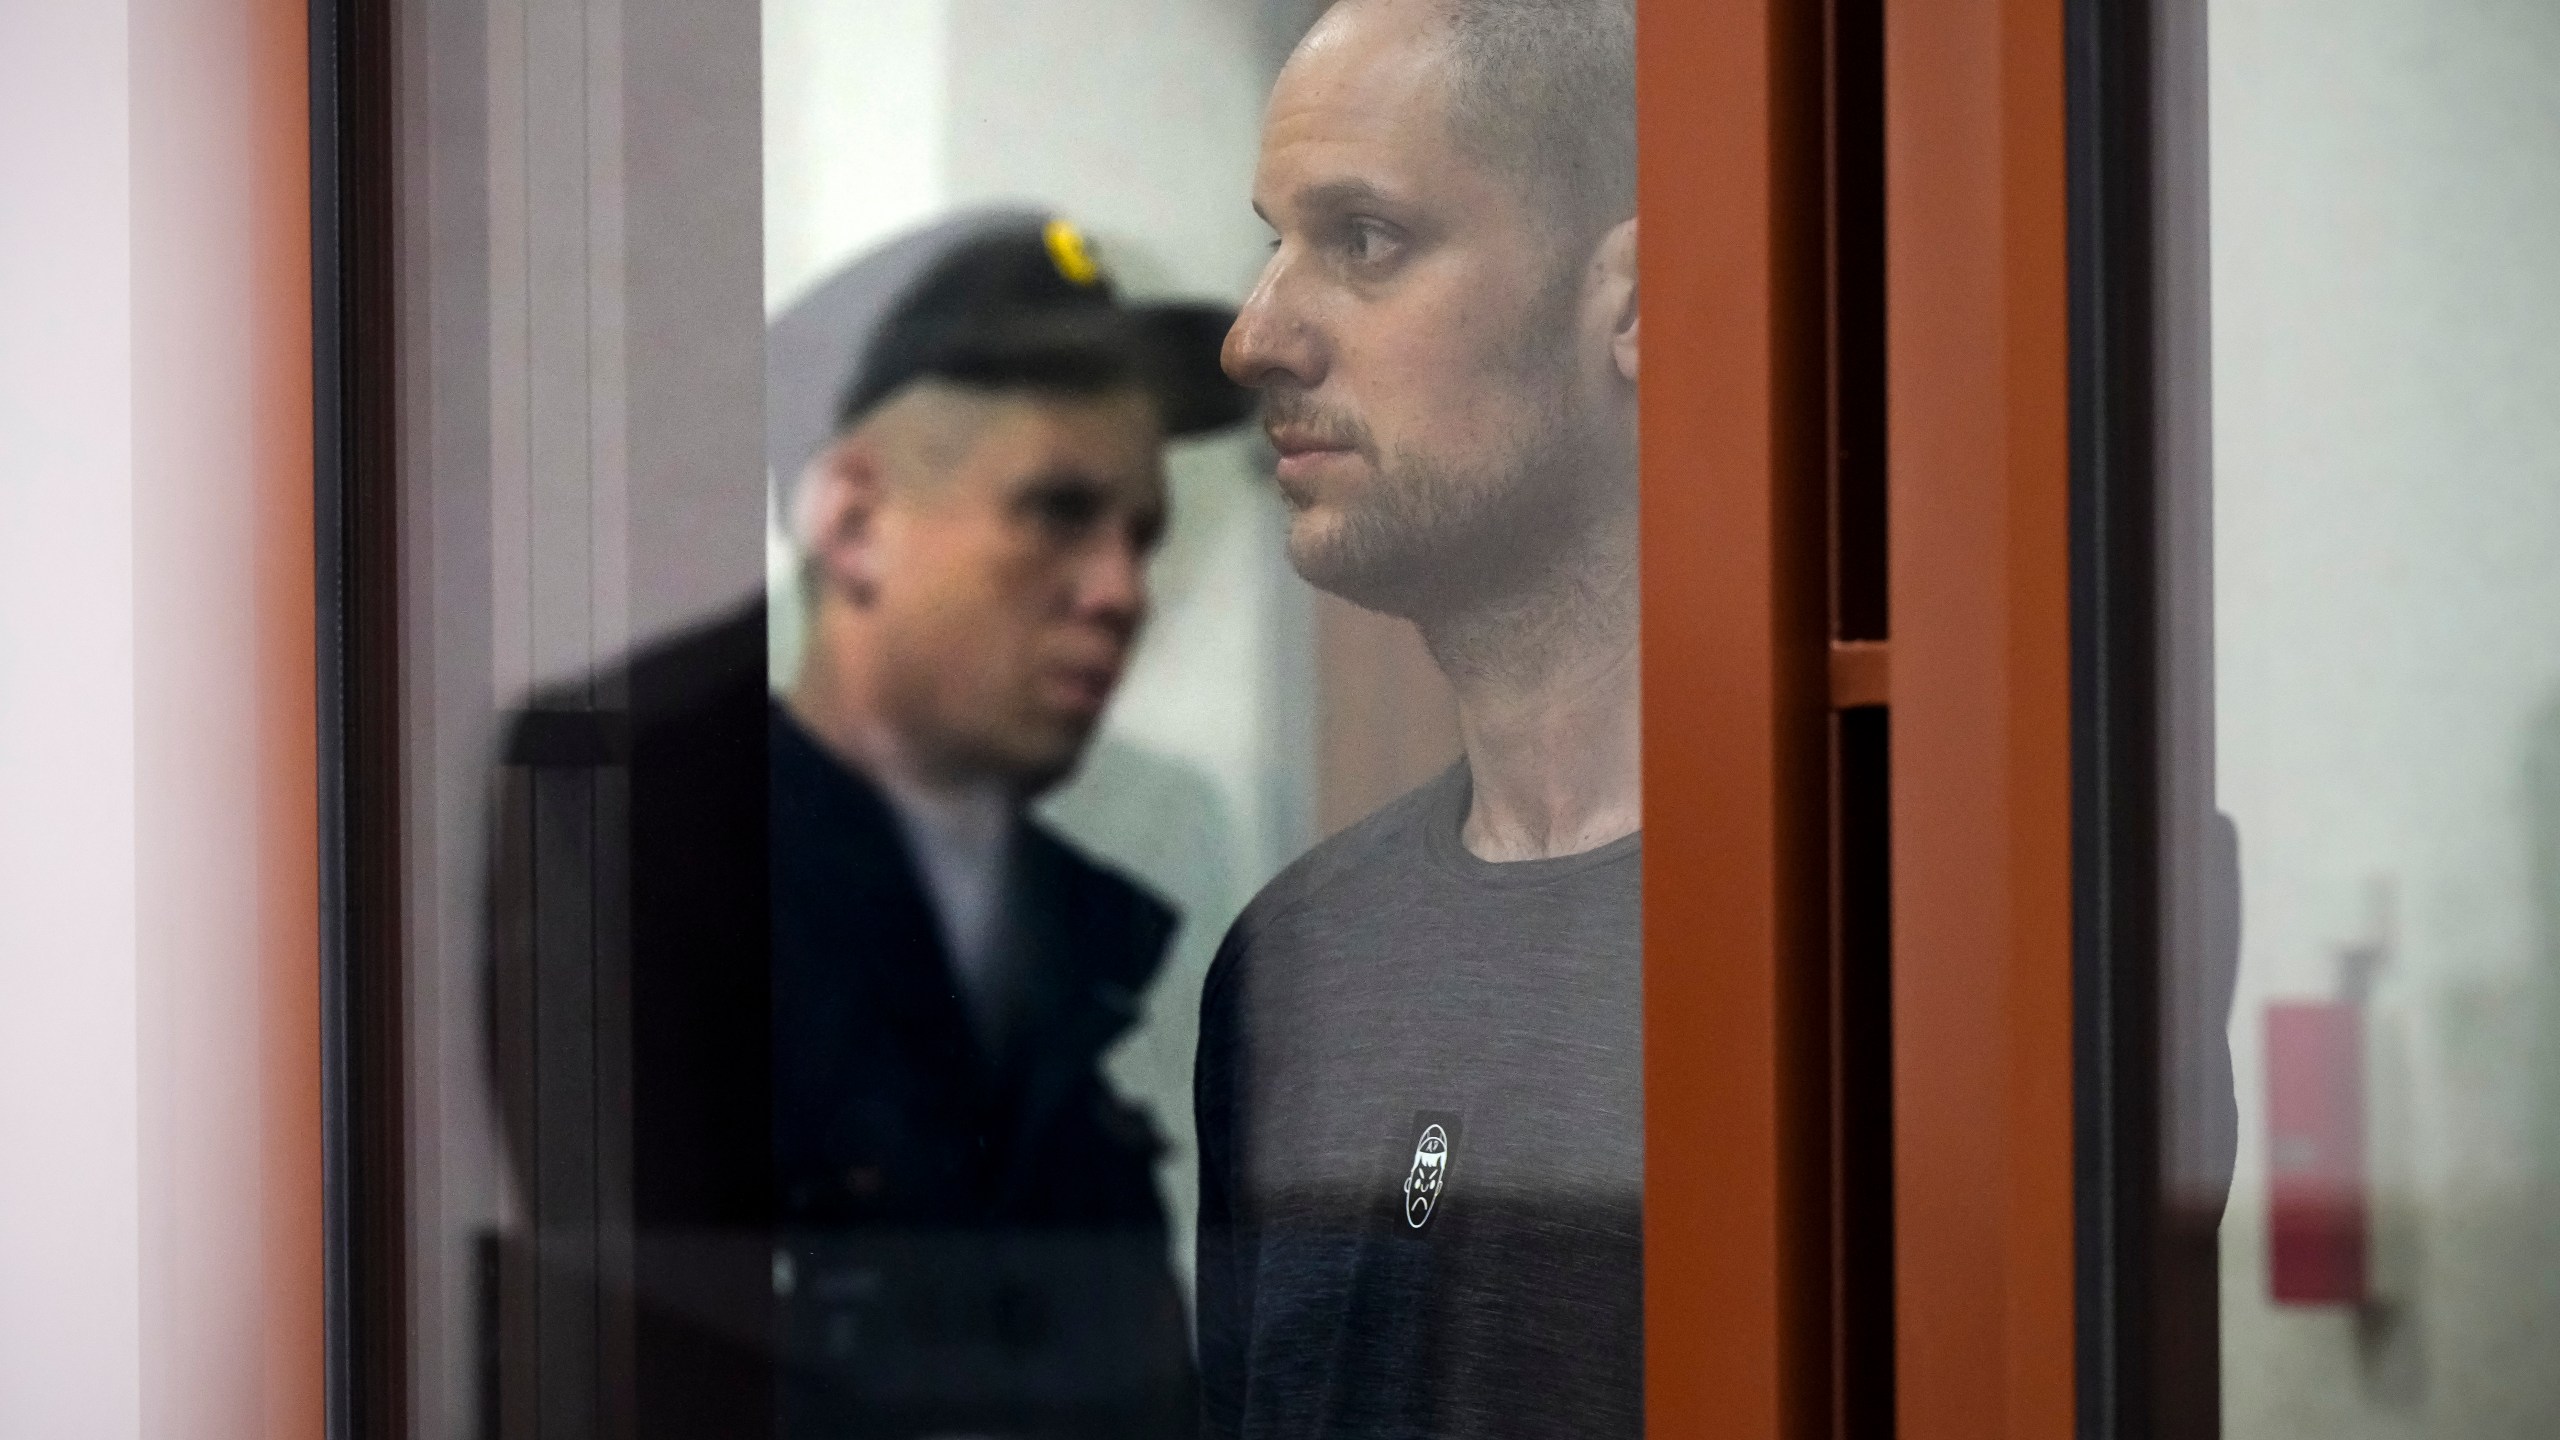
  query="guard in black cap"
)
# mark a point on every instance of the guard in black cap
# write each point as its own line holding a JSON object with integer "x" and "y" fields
{"x": 879, "y": 1183}
{"x": 968, "y": 1212}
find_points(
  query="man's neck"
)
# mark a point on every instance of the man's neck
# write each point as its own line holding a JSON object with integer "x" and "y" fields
{"x": 1549, "y": 713}
{"x": 839, "y": 702}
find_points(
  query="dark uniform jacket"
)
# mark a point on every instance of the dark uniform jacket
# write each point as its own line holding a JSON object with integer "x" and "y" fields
{"x": 845, "y": 1216}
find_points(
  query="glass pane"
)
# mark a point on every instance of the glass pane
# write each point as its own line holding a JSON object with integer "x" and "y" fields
{"x": 2381, "y": 721}
{"x": 1020, "y": 718}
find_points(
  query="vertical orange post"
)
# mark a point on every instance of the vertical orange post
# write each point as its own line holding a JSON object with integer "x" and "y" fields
{"x": 225, "y": 721}
{"x": 1736, "y": 1297}
{"x": 1978, "y": 344}
{"x": 288, "y": 599}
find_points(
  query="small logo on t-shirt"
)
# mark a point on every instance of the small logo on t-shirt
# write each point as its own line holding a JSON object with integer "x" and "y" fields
{"x": 1429, "y": 1175}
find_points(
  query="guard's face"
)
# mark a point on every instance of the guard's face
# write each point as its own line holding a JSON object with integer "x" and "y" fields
{"x": 1010, "y": 586}
{"x": 1415, "y": 334}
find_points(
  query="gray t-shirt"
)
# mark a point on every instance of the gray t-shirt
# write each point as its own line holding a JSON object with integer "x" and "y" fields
{"x": 1420, "y": 1104}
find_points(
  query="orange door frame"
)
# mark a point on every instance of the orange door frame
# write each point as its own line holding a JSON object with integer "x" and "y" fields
{"x": 1977, "y": 373}
{"x": 1736, "y": 704}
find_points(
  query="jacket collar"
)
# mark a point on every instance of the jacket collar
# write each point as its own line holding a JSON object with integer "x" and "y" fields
{"x": 1096, "y": 940}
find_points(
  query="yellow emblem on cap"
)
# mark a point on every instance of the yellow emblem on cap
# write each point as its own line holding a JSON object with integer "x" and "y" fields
{"x": 1070, "y": 254}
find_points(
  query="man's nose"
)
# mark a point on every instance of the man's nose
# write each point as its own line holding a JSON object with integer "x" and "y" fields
{"x": 1111, "y": 587}
{"x": 1271, "y": 343}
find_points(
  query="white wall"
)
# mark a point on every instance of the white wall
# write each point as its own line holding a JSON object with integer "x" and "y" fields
{"x": 2386, "y": 213}
{"x": 70, "y": 1242}
{"x": 853, "y": 131}
{"x": 159, "y": 1105}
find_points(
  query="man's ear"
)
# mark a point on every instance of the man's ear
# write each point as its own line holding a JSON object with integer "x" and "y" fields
{"x": 836, "y": 516}
{"x": 1615, "y": 264}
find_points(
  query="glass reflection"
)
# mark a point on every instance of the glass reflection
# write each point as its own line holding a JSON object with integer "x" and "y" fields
{"x": 873, "y": 970}
{"x": 969, "y": 1238}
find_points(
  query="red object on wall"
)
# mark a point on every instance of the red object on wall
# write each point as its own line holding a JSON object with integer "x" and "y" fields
{"x": 2316, "y": 1207}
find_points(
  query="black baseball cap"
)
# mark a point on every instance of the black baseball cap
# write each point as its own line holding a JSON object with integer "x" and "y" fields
{"x": 998, "y": 299}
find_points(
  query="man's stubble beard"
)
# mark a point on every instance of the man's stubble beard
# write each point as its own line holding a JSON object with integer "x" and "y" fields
{"x": 1531, "y": 544}
{"x": 1435, "y": 538}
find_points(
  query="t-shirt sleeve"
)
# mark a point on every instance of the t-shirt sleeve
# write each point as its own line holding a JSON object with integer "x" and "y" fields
{"x": 1225, "y": 1250}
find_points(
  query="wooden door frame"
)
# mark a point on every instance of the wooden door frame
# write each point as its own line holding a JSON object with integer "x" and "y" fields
{"x": 1979, "y": 373}
{"x": 1736, "y": 708}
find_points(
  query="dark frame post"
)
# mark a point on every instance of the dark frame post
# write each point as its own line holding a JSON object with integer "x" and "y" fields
{"x": 2115, "y": 890}
{"x": 2154, "y": 870}
{"x": 355, "y": 512}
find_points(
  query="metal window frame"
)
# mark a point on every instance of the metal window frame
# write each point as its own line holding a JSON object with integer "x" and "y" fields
{"x": 363, "y": 1124}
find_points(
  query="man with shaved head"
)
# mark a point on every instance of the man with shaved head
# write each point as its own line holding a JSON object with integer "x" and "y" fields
{"x": 1419, "y": 1088}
